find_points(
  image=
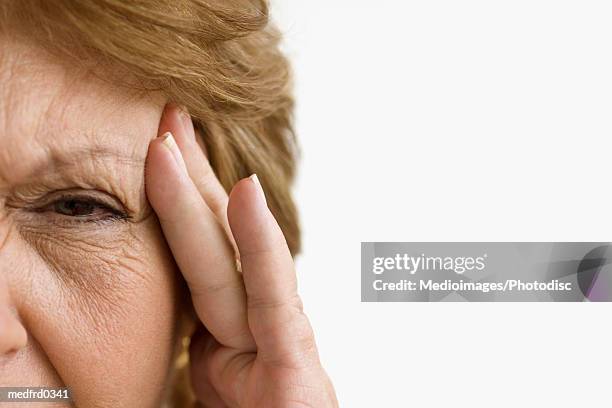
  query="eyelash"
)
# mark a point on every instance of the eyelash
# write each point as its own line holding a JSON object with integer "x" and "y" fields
{"x": 113, "y": 213}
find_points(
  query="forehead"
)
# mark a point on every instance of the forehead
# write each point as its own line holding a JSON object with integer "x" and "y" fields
{"x": 49, "y": 106}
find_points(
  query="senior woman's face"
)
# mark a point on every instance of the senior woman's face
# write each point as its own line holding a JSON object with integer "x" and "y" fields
{"x": 83, "y": 265}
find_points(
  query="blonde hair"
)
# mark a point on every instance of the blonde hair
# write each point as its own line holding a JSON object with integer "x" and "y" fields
{"x": 220, "y": 59}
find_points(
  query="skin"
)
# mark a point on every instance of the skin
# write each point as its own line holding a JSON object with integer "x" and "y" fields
{"x": 96, "y": 301}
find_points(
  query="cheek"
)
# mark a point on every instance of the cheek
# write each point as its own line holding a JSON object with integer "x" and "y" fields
{"x": 104, "y": 301}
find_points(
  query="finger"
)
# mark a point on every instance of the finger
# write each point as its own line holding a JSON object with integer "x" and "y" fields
{"x": 282, "y": 332}
{"x": 177, "y": 121}
{"x": 201, "y": 343}
{"x": 199, "y": 245}
{"x": 218, "y": 373}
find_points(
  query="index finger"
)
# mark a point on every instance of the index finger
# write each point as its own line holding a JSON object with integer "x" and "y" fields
{"x": 177, "y": 121}
{"x": 199, "y": 244}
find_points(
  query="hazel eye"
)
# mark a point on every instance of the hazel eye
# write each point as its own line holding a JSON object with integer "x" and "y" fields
{"x": 75, "y": 207}
{"x": 83, "y": 208}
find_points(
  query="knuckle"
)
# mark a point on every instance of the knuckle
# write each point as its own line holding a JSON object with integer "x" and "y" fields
{"x": 298, "y": 349}
{"x": 293, "y": 303}
{"x": 214, "y": 288}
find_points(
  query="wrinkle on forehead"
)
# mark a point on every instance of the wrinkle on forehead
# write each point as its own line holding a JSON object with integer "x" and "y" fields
{"x": 60, "y": 87}
{"x": 51, "y": 114}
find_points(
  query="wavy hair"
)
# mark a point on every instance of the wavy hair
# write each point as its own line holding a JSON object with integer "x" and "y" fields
{"x": 220, "y": 59}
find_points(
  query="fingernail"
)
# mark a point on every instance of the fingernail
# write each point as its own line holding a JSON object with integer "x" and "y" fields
{"x": 170, "y": 143}
{"x": 255, "y": 180}
{"x": 168, "y": 140}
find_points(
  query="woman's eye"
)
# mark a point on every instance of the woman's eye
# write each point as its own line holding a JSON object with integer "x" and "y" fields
{"x": 80, "y": 206}
{"x": 83, "y": 209}
{"x": 75, "y": 207}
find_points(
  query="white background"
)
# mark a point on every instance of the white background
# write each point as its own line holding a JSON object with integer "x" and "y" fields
{"x": 452, "y": 121}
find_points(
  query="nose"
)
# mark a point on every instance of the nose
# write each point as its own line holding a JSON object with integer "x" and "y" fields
{"x": 13, "y": 335}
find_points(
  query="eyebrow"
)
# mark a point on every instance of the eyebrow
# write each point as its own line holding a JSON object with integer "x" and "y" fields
{"x": 53, "y": 168}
